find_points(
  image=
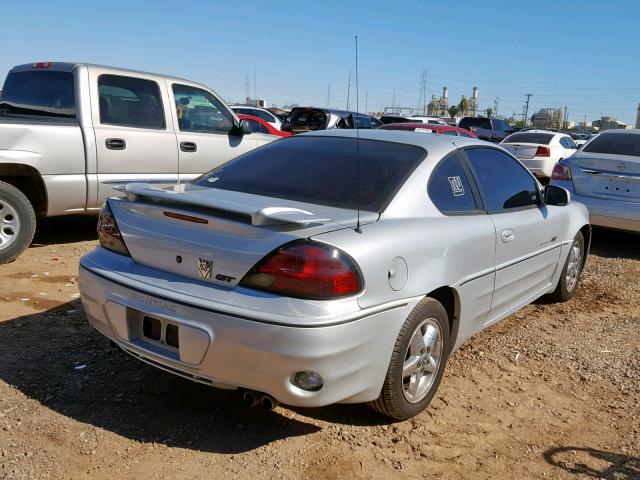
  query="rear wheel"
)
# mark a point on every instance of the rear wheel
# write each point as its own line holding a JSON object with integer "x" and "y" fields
{"x": 417, "y": 362}
{"x": 17, "y": 222}
{"x": 570, "y": 277}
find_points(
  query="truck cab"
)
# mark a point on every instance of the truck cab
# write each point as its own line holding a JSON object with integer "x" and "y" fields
{"x": 72, "y": 132}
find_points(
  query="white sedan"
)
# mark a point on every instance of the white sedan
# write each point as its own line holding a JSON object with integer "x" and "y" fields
{"x": 540, "y": 150}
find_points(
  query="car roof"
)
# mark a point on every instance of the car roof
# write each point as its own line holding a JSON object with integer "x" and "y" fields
{"x": 621, "y": 131}
{"x": 439, "y": 144}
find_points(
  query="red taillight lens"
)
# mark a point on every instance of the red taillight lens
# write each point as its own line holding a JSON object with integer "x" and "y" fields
{"x": 543, "y": 152}
{"x": 41, "y": 65}
{"x": 561, "y": 172}
{"x": 306, "y": 270}
{"x": 109, "y": 233}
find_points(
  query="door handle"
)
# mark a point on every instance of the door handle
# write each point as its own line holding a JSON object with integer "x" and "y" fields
{"x": 508, "y": 235}
{"x": 115, "y": 143}
{"x": 188, "y": 146}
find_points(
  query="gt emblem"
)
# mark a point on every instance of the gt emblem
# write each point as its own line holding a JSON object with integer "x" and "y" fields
{"x": 204, "y": 267}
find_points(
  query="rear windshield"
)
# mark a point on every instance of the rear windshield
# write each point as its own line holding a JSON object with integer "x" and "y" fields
{"x": 321, "y": 171}
{"x": 475, "y": 122}
{"x": 39, "y": 92}
{"x": 615, "y": 144}
{"x": 307, "y": 120}
{"x": 539, "y": 138}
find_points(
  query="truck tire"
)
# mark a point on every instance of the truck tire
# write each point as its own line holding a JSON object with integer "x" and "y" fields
{"x": 17, "y": 222}
{"x": 417, "y": 363}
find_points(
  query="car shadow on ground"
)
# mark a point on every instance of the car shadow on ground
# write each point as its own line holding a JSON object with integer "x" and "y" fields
{"x": 67, "y": 229}
{"x": 592, "y": 463}
{"x": 615, "y": 244}
{"x": 56, "y": 358}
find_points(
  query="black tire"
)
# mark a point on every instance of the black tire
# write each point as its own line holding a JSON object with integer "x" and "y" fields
{"x": 14, "y": 199}
{"x": 565, "y": 291}
{"x": 392, "y": 401}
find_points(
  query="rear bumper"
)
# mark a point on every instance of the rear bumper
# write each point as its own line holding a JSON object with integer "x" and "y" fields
{"x": 228, "y": 351}
{"x": 606, "y": 213}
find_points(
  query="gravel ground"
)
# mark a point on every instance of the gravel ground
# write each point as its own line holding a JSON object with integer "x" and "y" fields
{"x": 551, "y": 392}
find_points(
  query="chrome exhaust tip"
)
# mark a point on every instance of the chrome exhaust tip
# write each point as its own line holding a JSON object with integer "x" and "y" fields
{"x": 250, "y": 399}
{"x": 268, "y": 402}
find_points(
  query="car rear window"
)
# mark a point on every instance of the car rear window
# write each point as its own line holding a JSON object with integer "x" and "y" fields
{"x": 615, "y": 144}
{"x": 45, "y": 93}
{"x": 321, "y": 171}
{"x": 539, "y": 138}
{"x": 307, "y": 120}
{"x": 475, "y": 122}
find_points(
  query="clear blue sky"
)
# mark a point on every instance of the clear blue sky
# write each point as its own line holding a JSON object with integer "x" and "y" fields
{"x": 581, "y": 54}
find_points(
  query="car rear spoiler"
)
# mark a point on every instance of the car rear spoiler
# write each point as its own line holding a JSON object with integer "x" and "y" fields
{"x": 268, "y": 216}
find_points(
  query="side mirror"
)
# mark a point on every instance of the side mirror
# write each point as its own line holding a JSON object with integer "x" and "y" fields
{"x": 554, "y": 195}
{"x": 241, "y": 128}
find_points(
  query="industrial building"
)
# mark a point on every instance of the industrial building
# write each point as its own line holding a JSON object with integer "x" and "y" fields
{"x": 608, "y": 123}
{"x": 547, "y": 118}
{"x": 438, "y": 107}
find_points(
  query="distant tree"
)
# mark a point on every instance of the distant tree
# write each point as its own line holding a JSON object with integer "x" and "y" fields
{"x": 453, "y": 110}
{"x": 520, "y": 124}
{"x": 489, "y": 112}
{"x": 463, "y": 106}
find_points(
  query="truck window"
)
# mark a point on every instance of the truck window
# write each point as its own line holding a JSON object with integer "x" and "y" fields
{"x": 44, "y": 93}
{"x": 130, "y": 102}
{"x": 199, "y": 111}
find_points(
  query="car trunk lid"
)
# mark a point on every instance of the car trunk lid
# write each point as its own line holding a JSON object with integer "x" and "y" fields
{"x": 521, "y": 150}
{"x": 607, "y": 176}
{"x": 216, "y": 236}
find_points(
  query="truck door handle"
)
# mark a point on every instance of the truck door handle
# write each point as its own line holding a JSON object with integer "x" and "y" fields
{"x": 508, "y": 235}
{"x": 115, "y": 143}
{"x": 188, "y": 147}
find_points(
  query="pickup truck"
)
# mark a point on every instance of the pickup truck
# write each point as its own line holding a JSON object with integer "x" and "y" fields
{"x": 490, "y": 129}
{"x": 71, "y": 132}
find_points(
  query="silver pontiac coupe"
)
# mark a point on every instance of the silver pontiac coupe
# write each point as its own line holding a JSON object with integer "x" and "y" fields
{"x": 335, "y": 266}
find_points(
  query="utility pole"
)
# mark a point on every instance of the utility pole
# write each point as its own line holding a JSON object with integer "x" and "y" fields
{"x": 328, "y": 96}
{"x": 255, "y": 95}
{"x": 526, "y": 108}
{"x": 348, "y": 89}
{"x": 393, "y": 101}
{"x": 565, "y": 119}
{"x": 366, "y": 101}
{"x": 495, "y": 106}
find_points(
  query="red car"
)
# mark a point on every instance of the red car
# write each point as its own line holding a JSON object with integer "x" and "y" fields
{"x": 430, "y": 128}
{"x": 258, "y": 125}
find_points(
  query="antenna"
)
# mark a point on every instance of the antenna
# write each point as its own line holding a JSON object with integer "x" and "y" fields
{"x": 358, "y": 229}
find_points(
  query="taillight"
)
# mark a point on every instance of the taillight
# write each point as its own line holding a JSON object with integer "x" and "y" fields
{"x": 543, "y": 152}
{"x": 41, "y": 65}
{"x": 306, "y": 270}
{"x": 109, "y": 233}
{"x": 561, "y": 172}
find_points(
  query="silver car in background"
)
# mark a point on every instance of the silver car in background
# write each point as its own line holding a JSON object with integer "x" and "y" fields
{"x": 605, "y": 176}
{"x": 336, "y": 266}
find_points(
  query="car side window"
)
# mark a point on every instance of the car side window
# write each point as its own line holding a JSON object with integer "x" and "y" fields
{"x": 449, "y": 187}
{"x": 130, "y": 102}
{"x": 450, "y": 132}
{"x": 256, "y": 127}
{"x": 568, "y": 143}
{"x": 504, "y": 183}
{"x": 199, "y": 111}
{"x": 264, "y": 116}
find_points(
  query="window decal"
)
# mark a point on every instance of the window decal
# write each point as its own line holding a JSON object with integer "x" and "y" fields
{"x": 456, "y": 186}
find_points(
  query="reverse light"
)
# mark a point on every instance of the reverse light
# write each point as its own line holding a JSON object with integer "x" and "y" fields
{"x": 309, "y": 381}
{"x": 306, "y": 270}
{"x": 561, "y": 172}
{"x": 543, "y": 152}
{"x": 109, "y": 233}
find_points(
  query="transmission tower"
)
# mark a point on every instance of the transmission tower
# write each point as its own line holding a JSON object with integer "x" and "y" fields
{"x": 247, "y": 87}
{"x": 526, "y": 107}
{"x": 422, "y": 95}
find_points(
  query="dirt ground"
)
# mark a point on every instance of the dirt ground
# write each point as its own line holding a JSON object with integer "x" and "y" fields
{"x": 551, "y": 392}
